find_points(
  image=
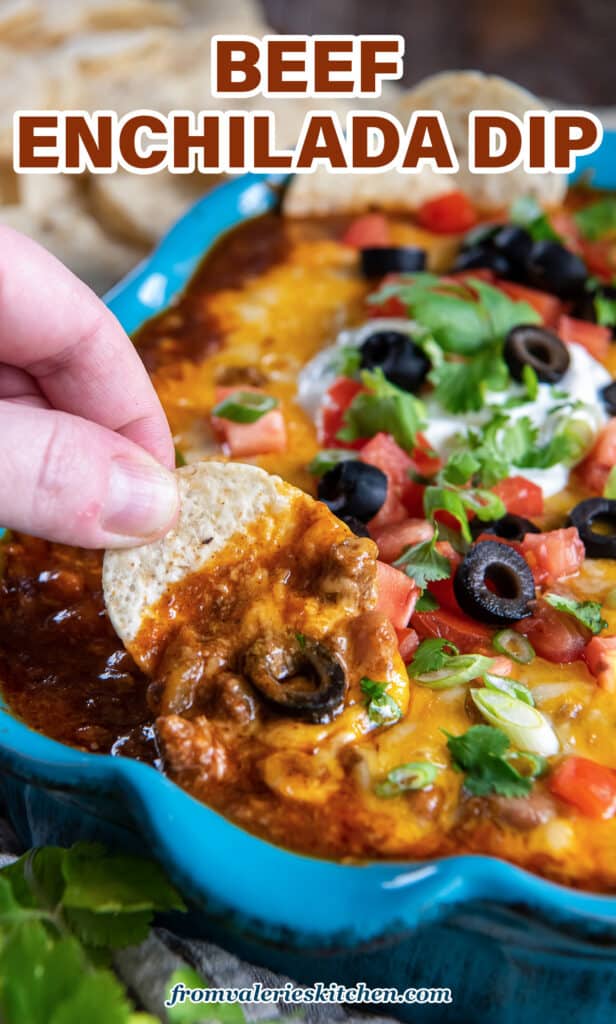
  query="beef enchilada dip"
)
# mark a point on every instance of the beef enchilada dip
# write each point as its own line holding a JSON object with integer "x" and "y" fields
{"x": 385, "y": 625}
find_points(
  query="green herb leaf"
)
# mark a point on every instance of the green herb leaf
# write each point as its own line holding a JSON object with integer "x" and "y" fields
{"x": 443, "y": 499}
{"x": 431, "y": 655}
{"x": 382, "y": 709}
{"x": 480, "y": 754}
{"x": 346, "y": 361}
{"x": 458, "y": 320}
{"x": 586, "y": 612}
{"x": 462, "y": 386}
{"x": 459, "y": 469}
{"x": 115, "y": 883}
{"x": 383, "y": 407}
{"x": 597, "y": 220}
{"x": 427, "y": 603}
{"x": 328, "y": 459}
{"x": 530, "y": 381}
{"x": 423, "y": 563}
{"x": 526, "y": 213}
{"x": 605, "y": 310}
{"x": 609, "y": 490}
{"x": 244, "y": 406}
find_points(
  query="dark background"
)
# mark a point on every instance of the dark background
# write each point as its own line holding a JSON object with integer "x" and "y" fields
{"x": 561, "y": 49}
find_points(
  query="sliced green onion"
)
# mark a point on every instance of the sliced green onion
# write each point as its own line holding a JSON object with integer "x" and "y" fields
{"x": 536, "y": 765}
{"x": 412, "y": 776}
{"x": 328, "y": 458}
{"x": 515, "y": 646}
{"x": 511, "y": 687}
{"x": 526, "y": 727}
{"x": 460, "y": 669}
{"x": 244, "y": 406}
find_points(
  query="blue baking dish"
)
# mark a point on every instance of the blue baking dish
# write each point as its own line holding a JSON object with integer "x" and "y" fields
{"x": 510, "y": 945}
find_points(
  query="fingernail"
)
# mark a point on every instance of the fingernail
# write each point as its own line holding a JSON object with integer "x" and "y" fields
{"x": 142, "y": 499}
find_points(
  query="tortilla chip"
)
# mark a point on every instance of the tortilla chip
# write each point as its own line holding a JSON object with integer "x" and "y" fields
{"x": 219, "y": 500}
{"x": 77, "y": 240}
{"x": 139, "y": 213}
{"x": 455, "y": 93}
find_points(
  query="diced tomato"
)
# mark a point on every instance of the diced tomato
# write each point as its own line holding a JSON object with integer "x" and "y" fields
{"x": 470, "y": 637}
{"x": 392, "y": 540}
{"x": 370, "y": 230}
{"x": 595, "y": 468}
{"x": 593, "y": 337}
{"x": 589, "y": 786}
{"x": 397, "y": 594}
{"x": 268, "y": 434}
{"x": 384, "y": 453}
{"x": 600, "y": 656}
{"x": 520, "y": 496}
{"x": 412, "y": 498}
{"x": 554, "y": 554}
{"x": 482, "y": 273}
{"x": 599, "y": 258}
{"x": 442, "y": 590}
{"x": 391, "y": 308}
{"x": 449, "y": 214}
{"x": 335, "y": 403}
{"x": 555, "y": 636}
{"x": 565, "y": 226}
{"x": 547, "y": 306}
{"x": 408, "y": 642}
{"x": 425, "y": 460}
{"x": 515, "y": 544}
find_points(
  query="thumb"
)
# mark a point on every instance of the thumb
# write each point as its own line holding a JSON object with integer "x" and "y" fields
{"x": 69, "y": 480}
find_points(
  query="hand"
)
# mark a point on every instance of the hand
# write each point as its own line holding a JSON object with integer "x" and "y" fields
{"x": 85, "y": 449}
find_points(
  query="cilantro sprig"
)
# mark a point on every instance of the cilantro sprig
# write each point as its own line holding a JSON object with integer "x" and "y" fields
{"x": 483, "y": 755}
{"x": 598, "y": 220}
{"x": 383, "y": 407}
{"x": 423, "y": 563}
{"x": 462, "y": 318}
{"x": 382, "y": 708}
{"x": 586, "y": 612}
{"x": 62, "y": 913}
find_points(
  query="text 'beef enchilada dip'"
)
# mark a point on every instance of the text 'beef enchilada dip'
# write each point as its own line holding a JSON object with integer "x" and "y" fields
{"x": 385, "y": 623}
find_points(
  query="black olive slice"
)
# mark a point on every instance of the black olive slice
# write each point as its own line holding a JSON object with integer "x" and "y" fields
{"x": 297, "y": 676}
{"x": 483, "y": 256}
{"x": 553, "y": 268}
{"x": 585, "y": 515}
{"x": 608, "y": 396}
{"x": 353, "y": 488}
{"x": 359, "y": 529}
{"x": 380, "y": 260}
{"x": 494, "y": 583}
{"x": 509, "y": 527}
{"x": 515, "y": 243}
{"x": 529, "y": 345}
{"x": 402, "y": 361}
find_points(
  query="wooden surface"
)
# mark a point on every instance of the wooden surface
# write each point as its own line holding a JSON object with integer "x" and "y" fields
{"x": 557, "y": 48}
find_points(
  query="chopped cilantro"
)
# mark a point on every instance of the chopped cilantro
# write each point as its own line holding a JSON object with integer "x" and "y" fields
{"x": 481, "y": 753}
{"x": 328, "y": 458}
{"x": 530, "y": 381}
{"x": 423, "y": 563}
{"x": 597, "y": 220}
{"x": 609, "y": 490}
{"x": 462, "y": 318}
{"x": 383, "y": 407}
{"x": 459, "y": 469}
{"x": 605, "y": 310}
{"x": 345, "y": 361}
{"x": 432, "y": 655}
{"x": 462, "y": 386}
{"x": 526, "y": 213}
{"x": 382, "y": 709}
{"x": 586, "y": 612}
{"x": 427, "y": 603}
{"x": 457, "y": 502}
{"x": 301, "y": 641}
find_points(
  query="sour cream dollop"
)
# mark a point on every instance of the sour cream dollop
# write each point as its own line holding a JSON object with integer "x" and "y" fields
{"x": 582, "y": 382}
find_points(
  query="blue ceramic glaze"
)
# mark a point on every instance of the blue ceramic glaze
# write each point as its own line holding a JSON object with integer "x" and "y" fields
{"x": 509, "y": 944}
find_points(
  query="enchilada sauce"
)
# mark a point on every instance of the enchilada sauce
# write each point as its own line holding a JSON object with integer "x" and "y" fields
{"x": 268, "y": 298}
